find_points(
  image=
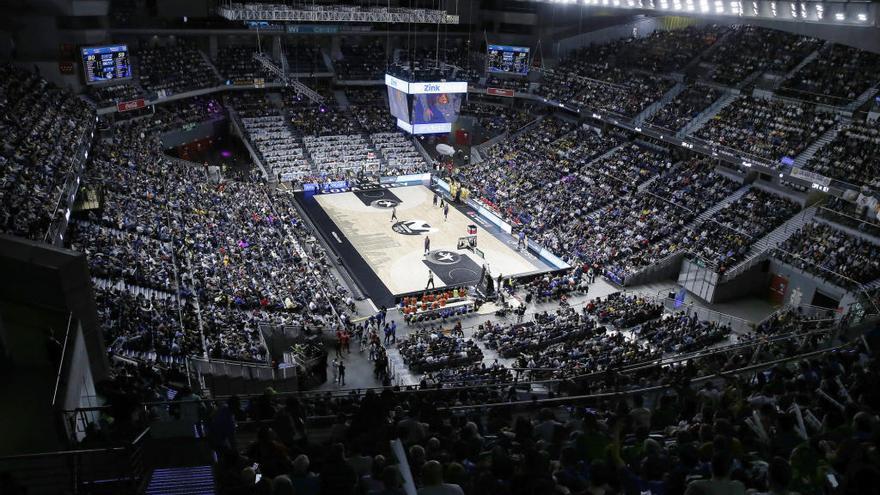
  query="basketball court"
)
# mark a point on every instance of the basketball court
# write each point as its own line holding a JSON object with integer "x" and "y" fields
{"x": 387, "y": 256}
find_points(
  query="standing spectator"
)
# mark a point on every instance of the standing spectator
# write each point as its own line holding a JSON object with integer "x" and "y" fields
{"x": 337, "y": 477}
{"x": 341, "y": 373}
{"x": 720, "y": 484}
{"x": 432, "y": 479}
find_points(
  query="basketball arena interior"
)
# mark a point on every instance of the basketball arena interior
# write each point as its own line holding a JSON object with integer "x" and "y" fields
{"x": 439, "y": 247}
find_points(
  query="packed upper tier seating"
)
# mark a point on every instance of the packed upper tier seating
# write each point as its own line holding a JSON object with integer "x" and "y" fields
{"x": 769, "y": 130}
{"x": 105, "y": 96}
{"x": 364, "y": 61}
{"x": 370, "y": 108}
{"x": 669, "y": 50}
{"x": 749, "y": 49}
{"x": 838, "y": 76}
{"x": 45, "y": 134}
{"x": 833, "y": 255}
{"x": 676, "y": 114}
{"x": 304, "y": 58}
{"x": 174, "y": 69}
{"x": 312, "y": 119}
{"x": 853, "y": 156}
{"x": 496, "y": 119}
{"x": 236, "y": 64}
{"x": 724, "y": 240}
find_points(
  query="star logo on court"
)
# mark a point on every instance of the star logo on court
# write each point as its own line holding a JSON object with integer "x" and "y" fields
{"x": 385, "y": 203}
{"x": 444, "y": 257}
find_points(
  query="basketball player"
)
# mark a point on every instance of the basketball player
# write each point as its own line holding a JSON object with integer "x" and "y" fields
{"x": 393, "y": 213}
{"x": 427, "y": 244}
{"x": 430, "y": 280}
{"x": 435, "y": 200}
{"x": 446, "y": 212}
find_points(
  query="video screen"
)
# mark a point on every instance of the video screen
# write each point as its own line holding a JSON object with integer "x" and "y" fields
{"x": 508, "y": 59}
{"x": 436, "y": 108}
{"x": 103, "y": 64}
{"x": 397, "y": 101}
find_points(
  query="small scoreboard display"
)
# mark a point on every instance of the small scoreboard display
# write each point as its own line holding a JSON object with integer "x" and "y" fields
{"x": 103, "y": 64}
{"x": 509, "y": 59}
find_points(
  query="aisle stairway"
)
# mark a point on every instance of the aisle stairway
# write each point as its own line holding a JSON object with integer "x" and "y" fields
{"x": 213, "y": 67}
{"x": 815, "y": 146}
{"x": 761, "y": 249}
{"x": 667, "y": 97}
{"x": 809, "y": 58}
{"x": 196, "y": 480}
{"x": 706, "y": 115}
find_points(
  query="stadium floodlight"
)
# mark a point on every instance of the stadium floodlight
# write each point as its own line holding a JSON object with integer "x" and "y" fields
{"x": 689, "y": 5}
{"x": 333, "y": 13}
{"x": 704, "y": 6}
{"x": 862, "y": 17}
{"x": 820, "y": 12}
{"x": 755, "y": 10}
{"x": 794, "y": 11}
{"x": 840, "y": 16}
{"x": 719, "y": 6}
{"x": 773, "y": 9}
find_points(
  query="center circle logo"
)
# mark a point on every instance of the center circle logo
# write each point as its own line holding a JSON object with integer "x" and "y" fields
{"x": 412, "y": 227}
{"x": 444, "y": 257}
{"x": 384, "y": 203}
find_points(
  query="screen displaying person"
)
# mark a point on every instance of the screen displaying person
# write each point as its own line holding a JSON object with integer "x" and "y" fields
{"x": 436, "y": 108}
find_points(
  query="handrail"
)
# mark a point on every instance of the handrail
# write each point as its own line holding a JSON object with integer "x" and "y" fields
{"x": 117, "y": 448}
{"x": 644, "y": 390}
{"x": 61, "y": 361}
{"x": 661, "y": 362}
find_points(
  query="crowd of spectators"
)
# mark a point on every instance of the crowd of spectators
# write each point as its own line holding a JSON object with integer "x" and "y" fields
{"x": 180, "y": 113}
{"x": 304, "y": 58}
{"x": 646, "y": 227}
{"x": 853, "y": 156}
{"x": 860, "y": 216}
{"x": 676, "y": 114}
{"x": 282, "y": 153}
{"x": 45, "y": 132}
{"x": 621, "y": 92}
{"x": 109, "y": 95}
{"x": 680, "y": 333}
{"x": 838, "y": 76}
{"x": 789, "y": 428}
{"x": 623, "y": 310}
{"x": 432, "y": 350}
{"x": 236, "y": 64}
{"x": 749, "y": 49}
{"x": 496, "y": 119}
{"x": 769, "y": 130}
{"x": 723, "y": 240}
{"x": 473, "y": 374}
{"x": 529, "y": 337}
{"x": 832, "y": 254}
{"x": 174, "y": 69}
{"x": 370, "y": 108}
{"x": 517, "y": 83}
{"x": 665, "y": 51}
{"x": 319, "y": 119}
{"x": 362, "y": 61}
{"x": 228, "y": 254}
